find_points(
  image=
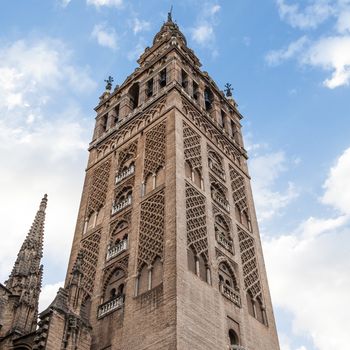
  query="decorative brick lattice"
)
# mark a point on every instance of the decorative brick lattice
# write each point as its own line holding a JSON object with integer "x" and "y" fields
{"x": 213, "y": 134}
{"x": 119, "y": 264}
{"x": 129, "y": 127}
{"x": 127, "y": 153}
{"x": 114, "y": 226}
{"x": 151, "y": 229}
{"x": 192, "y": 147}
{"x": 155, "y": 149}
{"x": 90, "y": 248}
{"x": 238, "y": 190}
{"x": 249, "y": 263}
{"x": 98, "y": 187}
{"x": 196, "y": 222}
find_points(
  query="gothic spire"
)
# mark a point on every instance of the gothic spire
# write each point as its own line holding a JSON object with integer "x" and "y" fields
{"x": 28, "y": 259}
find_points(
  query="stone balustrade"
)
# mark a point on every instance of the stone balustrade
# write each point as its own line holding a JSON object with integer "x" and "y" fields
{"x": 117, "y": 207}
{"x": 224, "y": 241}
{"x": 230, "y": 294}
{"x": 223, "y": 203}
{"x": 117, "y": 249}
{"x": 124, "y": 174}
{"x": 110, "y": 306}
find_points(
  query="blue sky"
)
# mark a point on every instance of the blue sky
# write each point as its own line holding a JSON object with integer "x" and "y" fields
{"x": 289, "y": 64}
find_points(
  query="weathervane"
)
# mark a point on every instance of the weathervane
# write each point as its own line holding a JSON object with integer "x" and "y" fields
{"x": 170, "y": 19}
{"x": 109, "y": 82}
{"x": 228, "y": 90}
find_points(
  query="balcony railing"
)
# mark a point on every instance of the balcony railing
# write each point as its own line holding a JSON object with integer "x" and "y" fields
{"x": 124, "y": 174}
{"x": 223, "y": 203}
{"x": 117, "y": 249}
{"x": 117, "y": 207}
{"x": 225, "y": 242}
{"x": 110, "y": 306}
{"x": 237, "y": 347}
{"x": 217, "y": 169}
{"x": 230, "y": 294}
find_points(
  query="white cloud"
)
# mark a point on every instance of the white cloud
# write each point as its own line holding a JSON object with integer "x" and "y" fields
{"x": 337, "y": 185}
{"x": 328, "y": 52}
{"x": 311, "y": 16}
{"x": 277, "y": 56}
{"x": 43, "y": 138}
{"x": 308, "y": 269}
{"x": 48, "y": 294}
{"x": 265, "y": 170}
{"x": 203, "y": 33}
{"x": 331, "y": 54}
{"x": 106, "y": 37}
{"x": 108, "y": 3}
{"x": 29, "y": 66}
{"x": 343, "y": 23}
{"x": 140, "y": 25}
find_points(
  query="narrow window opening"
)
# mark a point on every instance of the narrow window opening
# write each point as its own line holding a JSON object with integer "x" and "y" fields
{"x": 134, "y": 95}
{"x": 208, "y": 99}
{"x": 149, "y": 88}
{"x": 162, "y": 78}
{"x": 195, "y": 90}
{"x": 223, "y": 119}
{"x": 116, "y": 115}
{"x": 104, "y": 123}
{"x": 184, "y": 79}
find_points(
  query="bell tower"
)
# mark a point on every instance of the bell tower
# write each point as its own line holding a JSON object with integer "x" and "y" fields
{"x": 166, "y": 252}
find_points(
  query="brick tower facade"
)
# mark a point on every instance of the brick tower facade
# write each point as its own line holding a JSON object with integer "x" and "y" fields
{"x": 166, "y": 253}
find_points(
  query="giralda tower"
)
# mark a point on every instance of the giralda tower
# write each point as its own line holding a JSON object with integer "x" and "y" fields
{"x": 166, "y": 253}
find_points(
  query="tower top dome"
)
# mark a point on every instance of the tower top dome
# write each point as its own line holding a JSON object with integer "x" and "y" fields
{"x": 169, "y": 29}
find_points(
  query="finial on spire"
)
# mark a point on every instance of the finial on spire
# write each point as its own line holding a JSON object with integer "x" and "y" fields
{"x": 170, "y": 14}
{"x": 43, "y": 203}
{"x": 228, "y": 90}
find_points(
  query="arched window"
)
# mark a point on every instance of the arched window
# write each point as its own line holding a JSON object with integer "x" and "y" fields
{"x": 260, "y": 311}
{"x": 218, "y": 194}
{"x": 234, "y": 340}
{"x": 216, "y": 164}
{"x": 122, "y": 200}
{"x": 157, "y": 273}
{"x": 227, "y": 277}
{"x": 143, "y": 280}
{"x": 250, "y": 303}
{"x": 115, "y": 285}
{"x": 202, "y": 268}
{"x": 134, "y": 95}
{"x": 191, "y": 260}
{"x": 222, "y": 232}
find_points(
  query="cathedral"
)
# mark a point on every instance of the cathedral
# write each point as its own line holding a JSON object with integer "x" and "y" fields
{"x": 166, "y": 252}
